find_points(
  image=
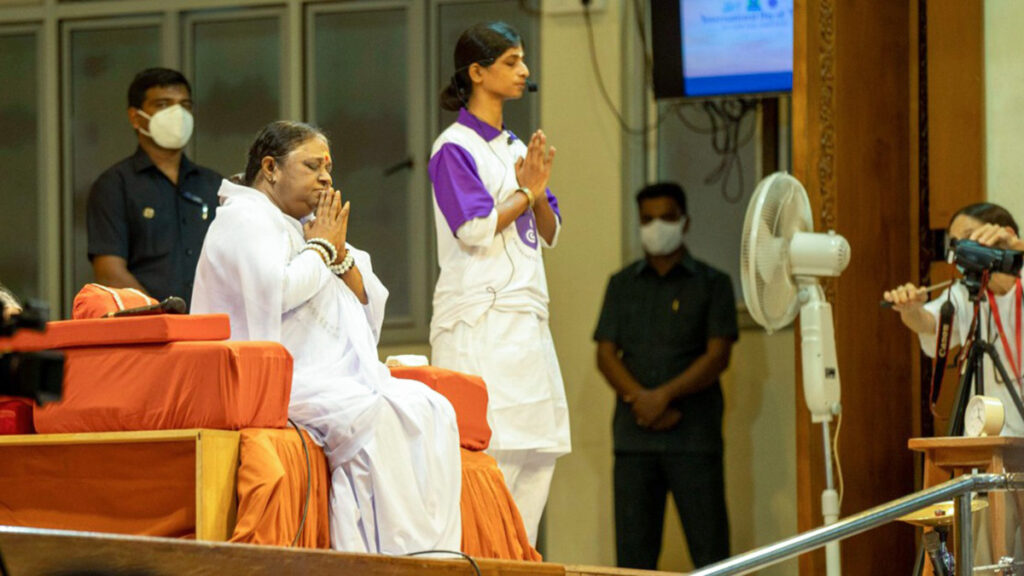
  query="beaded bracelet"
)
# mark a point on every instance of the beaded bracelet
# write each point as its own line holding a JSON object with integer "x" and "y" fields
{"x": 332, "y": 252}
{"x": 344, "y": 266}
{"x": 319, "y": 250}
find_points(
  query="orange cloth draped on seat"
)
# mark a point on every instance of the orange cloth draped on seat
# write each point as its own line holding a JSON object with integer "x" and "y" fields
{"x": 467, "y": 394}
{"x": 272, "y": 492}
{"x": 180, "y": 385}
{"x": 272, "y": 483}
{"x": 491, "y": 524}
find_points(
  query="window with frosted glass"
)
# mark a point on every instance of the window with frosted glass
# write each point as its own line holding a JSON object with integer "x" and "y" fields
{"x": 521, "y": 117}
{"x": 100, "y": 65}
{"x": 360, "y": 96}
{"x": 236, "y": 77}
{"x": 20, "y": 217}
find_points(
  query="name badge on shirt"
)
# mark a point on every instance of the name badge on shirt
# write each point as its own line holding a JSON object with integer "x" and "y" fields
{"x": 148, "y": 213}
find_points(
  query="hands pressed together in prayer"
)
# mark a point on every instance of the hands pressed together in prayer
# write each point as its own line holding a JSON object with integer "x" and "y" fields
{"x": 534, "y": 169}
{"x": 331, "y": 222}
{"x": 651, "y": 409}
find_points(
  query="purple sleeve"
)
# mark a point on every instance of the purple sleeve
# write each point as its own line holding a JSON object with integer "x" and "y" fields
{"x": 554, "y": 203}
{"x": 460, "y": 193}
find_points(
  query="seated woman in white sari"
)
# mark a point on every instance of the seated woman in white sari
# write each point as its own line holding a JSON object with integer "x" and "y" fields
{"x": 392, "y": 445}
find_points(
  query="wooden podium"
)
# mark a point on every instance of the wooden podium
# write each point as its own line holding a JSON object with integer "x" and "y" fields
{"x": 947, "y": 457}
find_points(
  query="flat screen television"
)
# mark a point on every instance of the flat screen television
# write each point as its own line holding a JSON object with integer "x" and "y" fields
{"x": 707, "y": 48}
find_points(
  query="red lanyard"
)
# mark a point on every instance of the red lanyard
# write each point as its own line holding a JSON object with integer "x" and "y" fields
{"x": 994, "y": 307}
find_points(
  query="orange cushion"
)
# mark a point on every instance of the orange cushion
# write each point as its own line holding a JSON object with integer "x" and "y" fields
{"x": 120, "y": 331}
{"x": 226, "y": 385}
{"x": 96, "y": 300}
{"x": 467, "y": 394}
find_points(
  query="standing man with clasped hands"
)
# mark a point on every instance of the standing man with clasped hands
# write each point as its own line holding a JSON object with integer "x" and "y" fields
{"x": 664, "y": 337}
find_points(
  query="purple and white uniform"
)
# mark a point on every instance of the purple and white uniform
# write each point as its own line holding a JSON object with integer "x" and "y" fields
{"x": 491, "y": 305}
{"x": 472, "y": 168}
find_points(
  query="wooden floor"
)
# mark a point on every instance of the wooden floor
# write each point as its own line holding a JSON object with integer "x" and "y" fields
{"x": 31, "y": 552}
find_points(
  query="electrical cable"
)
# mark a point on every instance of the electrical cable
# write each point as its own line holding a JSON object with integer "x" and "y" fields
{"x": 472, "y": 562}
{"x": 835, "y": 456}
{"x": 3, "y": 566}
{"x": 604, "y": 91}
{"x": 726, "y": 120}
{"x": 309, "y": 482}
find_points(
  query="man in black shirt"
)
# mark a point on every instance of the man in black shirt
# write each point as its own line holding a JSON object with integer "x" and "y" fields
{"x": 148, "y": 214}
{"x": 665, "y": 334}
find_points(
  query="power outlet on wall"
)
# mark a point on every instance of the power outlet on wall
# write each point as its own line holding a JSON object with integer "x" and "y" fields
{"x": 571, "y": 6}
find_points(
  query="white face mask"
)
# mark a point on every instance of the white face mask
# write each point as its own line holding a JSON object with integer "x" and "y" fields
{"x": 170, "y": 128}
{"x": 660, "y": 237}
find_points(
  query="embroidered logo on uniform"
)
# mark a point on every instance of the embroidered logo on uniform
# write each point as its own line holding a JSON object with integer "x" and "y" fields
{"x": 526, "y": 226}
{"x": 148, "y": 213}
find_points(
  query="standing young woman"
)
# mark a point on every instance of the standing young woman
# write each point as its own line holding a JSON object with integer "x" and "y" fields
{"x": 493, "y": 214}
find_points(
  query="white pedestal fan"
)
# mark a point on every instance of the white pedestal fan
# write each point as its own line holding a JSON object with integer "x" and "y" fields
{"x": 780, "y": 262}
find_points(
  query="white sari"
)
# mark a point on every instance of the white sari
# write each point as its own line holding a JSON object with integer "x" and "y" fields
{"x": 392, "y": 445}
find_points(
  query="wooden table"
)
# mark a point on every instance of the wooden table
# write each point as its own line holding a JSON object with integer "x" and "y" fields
{"x": 947, "y": 457}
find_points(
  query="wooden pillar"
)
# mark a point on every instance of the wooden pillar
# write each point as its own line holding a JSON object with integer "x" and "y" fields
{"x": 851, "y": 149}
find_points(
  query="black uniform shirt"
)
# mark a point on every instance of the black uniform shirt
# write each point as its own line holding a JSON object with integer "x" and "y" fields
{"x": 137, "y": 213}
{"x": 662, "y": 324}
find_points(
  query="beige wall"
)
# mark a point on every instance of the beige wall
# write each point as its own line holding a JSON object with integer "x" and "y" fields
{"x": 759, "y": 426}
{"x": 587, "y": 178}
{"x": 1004, "y": 104}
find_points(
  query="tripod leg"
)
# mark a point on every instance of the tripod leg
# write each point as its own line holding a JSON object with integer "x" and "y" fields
{"x": 1010, "y": 383}
{"x": 963, "y": 393}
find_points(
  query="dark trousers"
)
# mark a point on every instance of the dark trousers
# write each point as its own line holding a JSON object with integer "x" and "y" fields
{"x": 697, "y": 483}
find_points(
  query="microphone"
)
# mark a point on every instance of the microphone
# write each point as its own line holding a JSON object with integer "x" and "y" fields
{"x": 170, "y": 305}
{"x": 531, "y": 86}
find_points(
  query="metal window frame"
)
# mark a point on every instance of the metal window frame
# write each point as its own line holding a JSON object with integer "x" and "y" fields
{"x": 45, "y": 214}
{"x": 411, "y": 328}
{"x": 66, "y": 192}
{"x": 185, "y": 48}
{"x": 54, "y": 20}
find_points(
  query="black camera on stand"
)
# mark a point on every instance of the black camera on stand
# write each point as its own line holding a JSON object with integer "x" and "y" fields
{"x": 974, "y": 260}
{"x": 35, "y": 375}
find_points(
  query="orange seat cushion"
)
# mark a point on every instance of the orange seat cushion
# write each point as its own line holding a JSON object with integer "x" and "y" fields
{"x": 467, "y": 394}
{"x": 225, "y": 385}
{"x": 120, "y": 331}
{"x": 96, "y": 301}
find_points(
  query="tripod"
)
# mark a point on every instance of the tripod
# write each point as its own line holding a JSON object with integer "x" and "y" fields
{"x": 973, "y": 370}
{"x": 972, "y": 374}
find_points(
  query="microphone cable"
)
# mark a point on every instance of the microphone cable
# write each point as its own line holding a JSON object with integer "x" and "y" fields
{"x": 309, "y": 483}
{"x": 467, "y": 557}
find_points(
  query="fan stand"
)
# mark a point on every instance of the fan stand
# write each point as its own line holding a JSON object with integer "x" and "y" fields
{"x": 830, "y": 504}
{"x": 818, "y": 352}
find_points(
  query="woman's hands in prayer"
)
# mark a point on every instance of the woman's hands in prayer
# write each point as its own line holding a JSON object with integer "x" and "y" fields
{"x": 534, "y": 169}
{"x": 331, "y": 222}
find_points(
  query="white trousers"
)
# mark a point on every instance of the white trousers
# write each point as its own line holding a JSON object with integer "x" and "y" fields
{"x": 528, "y": 477}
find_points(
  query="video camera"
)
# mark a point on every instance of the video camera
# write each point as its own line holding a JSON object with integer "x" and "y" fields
{"x": 36, "y": 375}
{"x": 974, "y": 259}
